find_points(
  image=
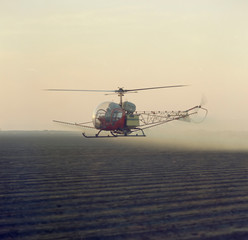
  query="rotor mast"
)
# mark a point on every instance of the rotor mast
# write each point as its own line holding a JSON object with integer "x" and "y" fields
{"x": 120, "y": 94}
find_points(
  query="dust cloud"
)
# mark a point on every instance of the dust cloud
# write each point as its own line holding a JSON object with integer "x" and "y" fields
{"x": 179, "y": 137}
{"x": 198, "y": 140}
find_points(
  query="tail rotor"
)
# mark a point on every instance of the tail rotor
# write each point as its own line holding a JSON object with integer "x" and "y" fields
{"x": 203, "y": 101}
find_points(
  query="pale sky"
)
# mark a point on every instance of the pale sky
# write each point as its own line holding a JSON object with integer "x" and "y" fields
{"x": 107, "y": 44}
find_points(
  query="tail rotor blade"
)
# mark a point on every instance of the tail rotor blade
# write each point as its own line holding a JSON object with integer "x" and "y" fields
{"x": 203, "y": 100}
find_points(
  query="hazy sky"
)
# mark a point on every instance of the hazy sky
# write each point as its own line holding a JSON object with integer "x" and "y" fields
{"x": 107, "y": 44}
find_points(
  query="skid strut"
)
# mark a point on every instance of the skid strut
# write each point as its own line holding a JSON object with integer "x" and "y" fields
{"x": 116, "y": 134}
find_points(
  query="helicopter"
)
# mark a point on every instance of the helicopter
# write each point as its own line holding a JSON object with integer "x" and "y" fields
{"x": 122, "y": 120}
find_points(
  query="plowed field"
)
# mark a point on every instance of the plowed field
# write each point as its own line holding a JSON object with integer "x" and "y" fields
{"x": 60, "y": 186}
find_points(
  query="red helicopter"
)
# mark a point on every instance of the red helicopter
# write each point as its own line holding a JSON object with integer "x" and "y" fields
{"x": 122, "y": 120}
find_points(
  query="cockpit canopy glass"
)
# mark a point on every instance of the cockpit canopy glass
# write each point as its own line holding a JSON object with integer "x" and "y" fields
{"x": 106, "y": 115}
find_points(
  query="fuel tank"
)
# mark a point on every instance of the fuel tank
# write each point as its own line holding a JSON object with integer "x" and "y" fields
{"x": 129, "y": 107}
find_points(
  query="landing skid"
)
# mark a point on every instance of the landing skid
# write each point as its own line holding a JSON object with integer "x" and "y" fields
{"x": 115, "y": 135}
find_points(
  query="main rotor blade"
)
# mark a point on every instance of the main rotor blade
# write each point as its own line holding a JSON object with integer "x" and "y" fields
{"x": 141, "y": 89}
{"x": 120, "y": 90}
{"x": 77, "y": 90}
